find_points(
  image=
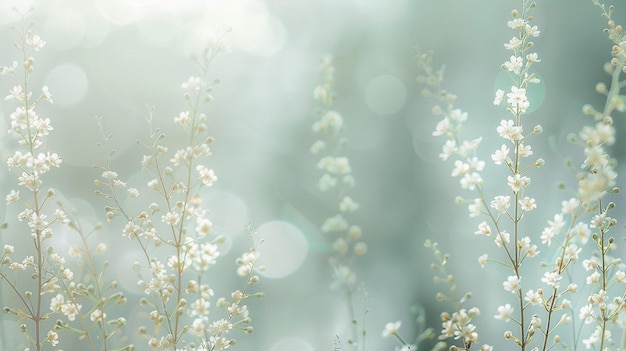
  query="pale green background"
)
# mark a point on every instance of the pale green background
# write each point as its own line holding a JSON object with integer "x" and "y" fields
{"x": 110, "y": 58}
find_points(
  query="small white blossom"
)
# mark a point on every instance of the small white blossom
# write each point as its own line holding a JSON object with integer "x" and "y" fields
{"x": 391, "y": 328}
{"x": 512, "y": 283}
{"x": 504, "y": 312}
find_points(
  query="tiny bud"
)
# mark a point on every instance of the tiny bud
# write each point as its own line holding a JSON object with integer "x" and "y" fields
{"x": 588, "y": 109}
{"x": 538, "y": 129}
{"x": 601, "y": 88}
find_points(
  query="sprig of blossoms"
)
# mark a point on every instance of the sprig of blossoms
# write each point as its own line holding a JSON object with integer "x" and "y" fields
{"x": 571, "y": 228}
{"x": 505, "y": 211}
{"x": 176, "y": 235}
{"x": 596, "y": 180}
{"x": 458, "y": 326}
{"x": 32, "y": 162}
{"x": 337, "y": 179}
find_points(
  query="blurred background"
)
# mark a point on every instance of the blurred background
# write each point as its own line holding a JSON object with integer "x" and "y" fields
{"x": 109, "y": 58}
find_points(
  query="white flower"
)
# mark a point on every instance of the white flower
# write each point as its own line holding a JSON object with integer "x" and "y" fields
{"x": 546, "y": 235}
{"x": 483, "y": 228}
{"x": 133, "y": 193}
{"x": 531, "y": 31}
{"x": 110, "y": 175}
{"x": 391, "y": 328}
{"x": 36, "y": 42}
{"x": 532, "y": 57}
{"x": 348, "y": 205}
{"x": 514, "y": 64}
{"x": 207, "y": 176}
{"x": 501, "y": 203}
{"x": 12, "y": 197}
{"x": 508, "y": 130}
{"x": 512, "y": 283}
{"x": 569, "y": 206}
{"x": 326, "y": 182}
{"x": 517, "y": 99}
{"x": 458, "y": 115}
{"x": 501, "y": 155}
{"x": 516, "y": 23}
{"x": 448, "y": 149}
{"x": 471, "y": 180}
{"x": 502, "y": 238}
{"x": 476, "y": 164}
{"x": 443, "y": 127}
{"x": 460, "y": 167}
{"x": 586, "y": 313}
{"x": 524, "y": 150}
{"x": 528, "y": 203}
{"x": 318, "y": 146}
{"x": 499, "y": 96}
{"x": 517, "y": 182}
{"x": 9, "y": 249}
{"x": 193, "y": 84}
{"x": 552, "y": 279}
{"x": 513, "y": 43}
{"x": 334, "y": 224}
{"x": 482, "y": 260}
{"x": 594, "y": 278}
{"x": 504, "y": 312}
{"x": 71, "y": 310}
{"x": 533, "y": 297}
{"x": 475, "y": 207}
{"x": 52, "y": 338}
{"x": 170, "y": 218}
{"x": 45, "y": 93}
{"x": 182, "y": 118}
{"x": 97, "y": 315}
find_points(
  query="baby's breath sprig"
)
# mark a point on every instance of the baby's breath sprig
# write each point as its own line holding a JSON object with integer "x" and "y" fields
{"x": 459, "y": 325}
{"x": 175, "y": 235}
{"x": 96, "y": 293}
{"x": 468, "y": 166}
{"x": 595, "y": 181}
{"x": 504, "y": 212}
{"x": 46, "y": 267}
{"x": 337, "y": 179}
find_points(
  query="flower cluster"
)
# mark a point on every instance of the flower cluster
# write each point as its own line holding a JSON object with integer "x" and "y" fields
{"x": 177, "y": 237}
{"x": 57, "y": 285}
{"x": 337, "y": 179}
{"x": 582, "y": 217}
{"x": 47, "y": 267}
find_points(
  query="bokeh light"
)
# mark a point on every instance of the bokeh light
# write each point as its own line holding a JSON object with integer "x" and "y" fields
{"x": 284, "y": 248}
{"x": 69, "y": 83}
{"x": 385, "y": 94}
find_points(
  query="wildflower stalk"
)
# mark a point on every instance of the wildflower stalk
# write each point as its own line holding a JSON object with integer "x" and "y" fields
{"x": 337, "y": 178}
{"x": 31, "y": 130}
{"x": 178, "y": 295}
